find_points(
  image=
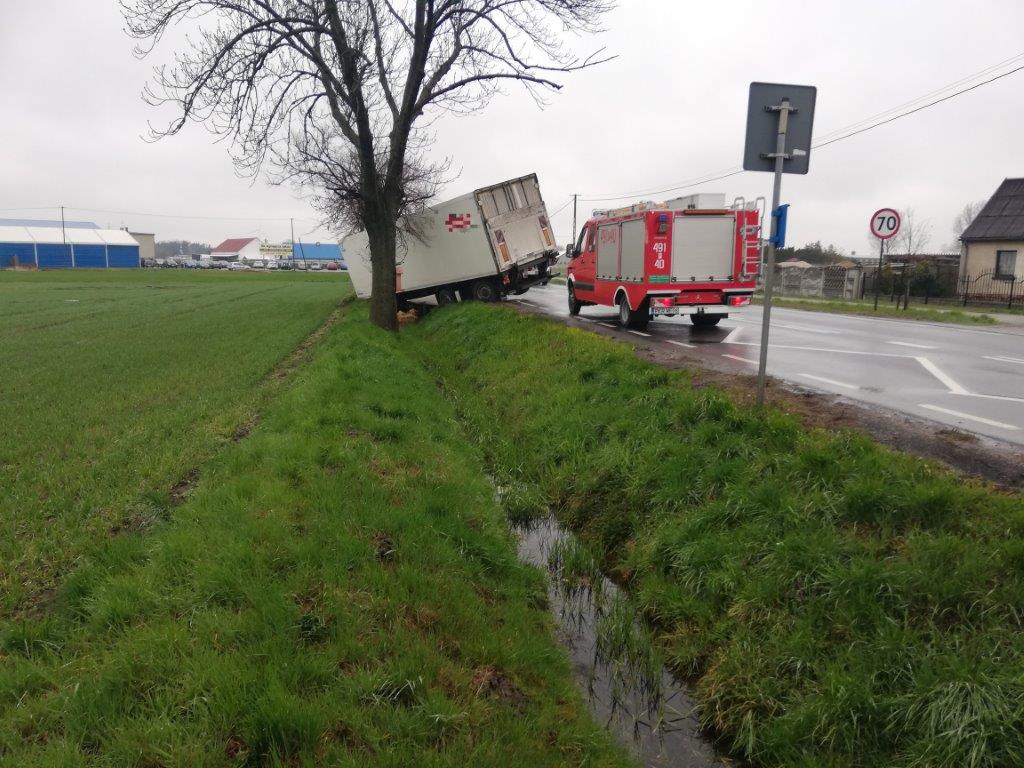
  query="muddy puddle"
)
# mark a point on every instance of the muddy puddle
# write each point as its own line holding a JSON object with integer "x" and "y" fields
{"x": 627, "y": 688}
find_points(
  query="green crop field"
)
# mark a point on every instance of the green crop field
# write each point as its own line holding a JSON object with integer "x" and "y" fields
{"x": 115, "y": 385}
{"x": 336, "y": 587}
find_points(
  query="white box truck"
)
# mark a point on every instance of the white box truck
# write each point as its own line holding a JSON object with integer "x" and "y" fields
{"x": 484, "y": 245}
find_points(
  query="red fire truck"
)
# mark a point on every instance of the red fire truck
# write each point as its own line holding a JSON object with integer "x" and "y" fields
{"x": 666, "y": 259}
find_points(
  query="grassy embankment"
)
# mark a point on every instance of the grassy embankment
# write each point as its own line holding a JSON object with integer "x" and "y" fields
{"x": 338, "y": 589}
{"x": 114, "y": 385}
{"x": 885, "y": 309}
{"x": 837, "y": 603}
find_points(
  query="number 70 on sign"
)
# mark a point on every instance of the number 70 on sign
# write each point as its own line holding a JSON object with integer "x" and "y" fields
{"x": 885, "y": 223}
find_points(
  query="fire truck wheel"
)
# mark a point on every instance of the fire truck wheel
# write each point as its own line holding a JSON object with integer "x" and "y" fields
{"x": 636, "y": 319}
{"x": 484, "y": 290}
{"x": 574, "y": 305}
{"x": 705, "y": 321}
{"x": 444, "y": 296}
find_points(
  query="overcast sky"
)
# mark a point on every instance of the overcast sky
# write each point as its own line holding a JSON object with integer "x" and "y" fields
{"x": 670, "y": 108}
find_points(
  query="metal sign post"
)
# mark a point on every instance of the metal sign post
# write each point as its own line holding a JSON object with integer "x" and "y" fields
{"x": 779, "y": 117}
{"x": 885, "y": 223}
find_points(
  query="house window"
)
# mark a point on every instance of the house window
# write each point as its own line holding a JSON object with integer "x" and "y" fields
{"x": 1006, "y": 265}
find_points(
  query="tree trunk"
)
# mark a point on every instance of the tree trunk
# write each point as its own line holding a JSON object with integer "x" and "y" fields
{"x": 380, "y": 229}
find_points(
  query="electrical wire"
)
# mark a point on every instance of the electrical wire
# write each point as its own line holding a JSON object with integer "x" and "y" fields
{"x": 839, "y": 134}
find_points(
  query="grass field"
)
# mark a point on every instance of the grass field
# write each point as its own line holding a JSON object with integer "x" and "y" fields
{"x": 932, "y": 314}
{"x": 115, "y": 385}
{"x": 337, "y": 588}
{"x": 837, "y": 603}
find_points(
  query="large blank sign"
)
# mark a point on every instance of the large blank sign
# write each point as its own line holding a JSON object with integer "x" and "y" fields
{"x": 763, "y": 126}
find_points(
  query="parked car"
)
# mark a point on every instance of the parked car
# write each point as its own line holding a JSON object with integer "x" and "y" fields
{"x": 238, "y": 266}
{"x": 315, "y": 266}
{"x": 332, "y": 266}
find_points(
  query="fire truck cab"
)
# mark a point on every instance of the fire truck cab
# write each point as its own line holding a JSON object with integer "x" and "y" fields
{"x": 667, "y": 259}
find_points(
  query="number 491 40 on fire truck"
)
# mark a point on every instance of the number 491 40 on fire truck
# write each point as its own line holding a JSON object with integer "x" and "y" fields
{"x": 682, "y": 257}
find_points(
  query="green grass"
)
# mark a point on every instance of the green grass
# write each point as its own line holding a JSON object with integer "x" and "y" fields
{"x": 885, "y": 309}
{"x": 339, "y": 589}
{"x": 837, "y": 603}
{"x": 114, "y": 385}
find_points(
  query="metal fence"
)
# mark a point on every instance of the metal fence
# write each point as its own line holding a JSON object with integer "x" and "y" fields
{"x": 929, "y": 283}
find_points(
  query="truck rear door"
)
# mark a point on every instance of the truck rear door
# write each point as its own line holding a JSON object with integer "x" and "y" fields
{"x": 703, "y": 248}
{"x": 517, "y": 221}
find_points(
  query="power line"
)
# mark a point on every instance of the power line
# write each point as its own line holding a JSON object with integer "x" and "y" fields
{"x": 562, "y": 208}
{"x": 919, "y": 109}
{"x": 699, "y": 181}
{"x": 183, "y": 216}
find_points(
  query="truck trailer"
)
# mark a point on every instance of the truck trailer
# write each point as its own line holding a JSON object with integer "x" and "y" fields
{"x": 666, "y": 259}
{"x": 484, "y": 245}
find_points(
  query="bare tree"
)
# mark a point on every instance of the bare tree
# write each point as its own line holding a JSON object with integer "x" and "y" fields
{"x": 963, "y": 219}
{"x": 337, "y": 94}
{"x": 914, "y": 234}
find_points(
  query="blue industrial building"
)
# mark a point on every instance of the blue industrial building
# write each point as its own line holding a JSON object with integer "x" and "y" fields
{"x": 65, "y": 245}
{"x": 319, "y": 252}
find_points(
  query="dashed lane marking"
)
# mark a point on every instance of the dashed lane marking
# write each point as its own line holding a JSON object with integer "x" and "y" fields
{"x": 833, "y": 382}
{"x": 969, "y": 417}
{"x": 909, "y": 344}
{"x": 1003, "y": 359}
{"x": 608, "y": 325}
{"x": 681, "y": 344}
{"x": 741, "y": 359}
{"x": 640, "y": 333}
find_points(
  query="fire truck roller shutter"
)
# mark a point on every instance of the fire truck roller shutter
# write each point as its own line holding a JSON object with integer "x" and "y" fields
{"x": 703, "y": 248}
{"x": 634, "y": 240}
{"x": 608, "y": 252}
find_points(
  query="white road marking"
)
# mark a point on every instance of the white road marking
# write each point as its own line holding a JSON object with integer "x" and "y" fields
{"x": 741, "y": 359}
{"x": 1001, "y": 359}
{"x": 969, "y": 417}
{"x": 933, "y": 369}
{"x": 806, "y": 328}
{"x": 681, "y": 344}
{"x": 908, "y": 344}
{"x": 833, "y": 382}
{"x": 822, "y": 349}
{"x": 640, "y": 333}
{"x": 992, "y": 397}
{"x": 608, "y": 325}
{"x": 732, "y": 335}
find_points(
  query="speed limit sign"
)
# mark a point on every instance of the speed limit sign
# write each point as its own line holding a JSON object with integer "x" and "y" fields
{"x": 885, "y": 223}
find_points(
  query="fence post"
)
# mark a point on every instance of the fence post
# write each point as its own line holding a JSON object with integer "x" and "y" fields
{"x": 1009, "y": 304}
{"x": 967, "y": 286}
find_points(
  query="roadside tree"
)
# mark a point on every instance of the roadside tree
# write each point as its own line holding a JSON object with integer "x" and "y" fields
{"x": 337, "y": 94}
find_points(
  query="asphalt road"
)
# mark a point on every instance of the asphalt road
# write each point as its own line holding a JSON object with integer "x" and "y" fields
{"x": 964, "y": 377}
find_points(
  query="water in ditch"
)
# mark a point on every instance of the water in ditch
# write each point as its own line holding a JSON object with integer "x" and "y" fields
{"x": 627, "y": 688}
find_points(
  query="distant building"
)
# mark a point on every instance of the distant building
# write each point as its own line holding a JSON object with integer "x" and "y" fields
{"x": 45, "y": 244}
{"x": 319, "y": 252}
{"x": 237, "y": 249}
{"x": 794, "y": 264}
{"x": 275, "y": 251}
{"x": 994, "y": 242}
{"x": 147, "y": 246}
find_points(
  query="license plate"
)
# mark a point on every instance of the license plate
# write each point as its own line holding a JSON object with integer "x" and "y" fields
{"x": 531, "y": 272}
{"x": 664, "y": 311}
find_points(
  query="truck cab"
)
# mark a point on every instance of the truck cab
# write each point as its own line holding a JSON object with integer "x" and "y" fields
{"x": 659, "y": 260}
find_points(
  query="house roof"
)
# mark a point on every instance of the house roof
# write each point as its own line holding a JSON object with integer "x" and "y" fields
{"x": 795, "y": 263}
{"x": 39, "y": 223}
{"x": 1002, "y": 218}
{"x": 233, "y": 245}
{"x": 71, "y": 235}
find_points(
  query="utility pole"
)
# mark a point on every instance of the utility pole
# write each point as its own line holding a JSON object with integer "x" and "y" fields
{"x": 64, "y": 236}
{"x": 574, "y": 201}
{"x": 878, "y": 272}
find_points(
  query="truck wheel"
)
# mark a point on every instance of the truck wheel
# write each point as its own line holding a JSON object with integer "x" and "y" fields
{"x": 484, "y": 290}
{"x": 705, "y": 321}
{"x": 574, "y": 305}
{"x": 636, "y": 319}
{"x": 445, "y": 296}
